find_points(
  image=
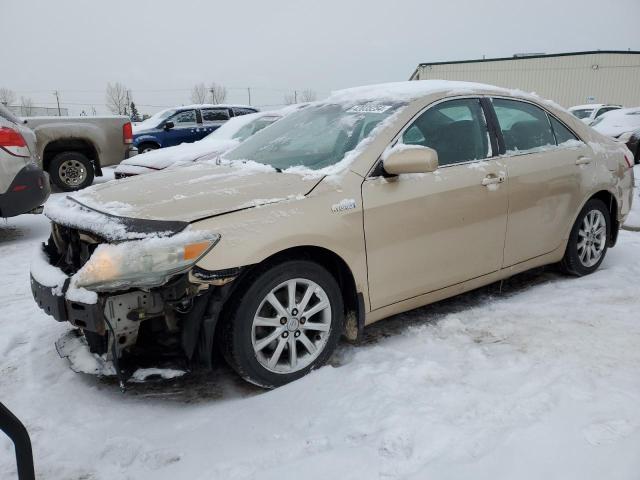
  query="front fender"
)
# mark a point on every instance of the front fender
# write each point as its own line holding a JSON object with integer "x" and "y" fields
{"x": 250, "y": 236}
{"x": 147, "y": 137}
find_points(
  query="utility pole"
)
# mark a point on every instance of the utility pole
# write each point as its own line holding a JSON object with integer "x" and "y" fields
{"x": 295, "y": 96}
{"x": 249, "y": 92}
{"x": 56, "y": 93}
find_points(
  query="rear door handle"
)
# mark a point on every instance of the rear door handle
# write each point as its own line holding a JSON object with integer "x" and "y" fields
{"x": 583, "y": 160}
{"x": 492, "y": 179}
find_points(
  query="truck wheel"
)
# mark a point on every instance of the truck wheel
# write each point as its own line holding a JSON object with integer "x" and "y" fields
{"x": 147, "y": 147}
{"x": 71, "y": 171}
{"x": 284, "y": 323}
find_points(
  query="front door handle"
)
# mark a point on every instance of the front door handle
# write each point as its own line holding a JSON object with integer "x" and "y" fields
{"x": 582, "y": 160}
{"x": 492, "y": 179}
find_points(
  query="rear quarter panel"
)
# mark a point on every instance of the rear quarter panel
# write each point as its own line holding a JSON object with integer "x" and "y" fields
{"x": 104, "y": 133}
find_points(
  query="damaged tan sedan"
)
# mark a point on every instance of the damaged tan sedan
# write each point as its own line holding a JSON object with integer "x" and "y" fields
{"x": 375, "y": 201}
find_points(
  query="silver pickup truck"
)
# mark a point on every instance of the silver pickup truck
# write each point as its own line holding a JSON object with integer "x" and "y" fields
{"x": 75, "y": 149}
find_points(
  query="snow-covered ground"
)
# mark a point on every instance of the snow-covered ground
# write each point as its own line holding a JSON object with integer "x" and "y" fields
{"x": 540, "y": 380}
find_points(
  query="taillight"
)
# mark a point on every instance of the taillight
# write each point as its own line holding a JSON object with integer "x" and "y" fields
{"x": 629, "y": 164}
{"x": 127, "y": 133}
{"x": 13, "y": 142}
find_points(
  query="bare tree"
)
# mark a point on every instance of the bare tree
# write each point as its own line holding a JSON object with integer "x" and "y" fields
{"x": 7, "y": 96}
{"x": 218, "y": 93}
{"x": 290, "y": 99}
{"x": 308, "y": 96}
{"x": 26, "y": 105}
{"x": 199, "y": 93}
{"x": 117, "y": 98}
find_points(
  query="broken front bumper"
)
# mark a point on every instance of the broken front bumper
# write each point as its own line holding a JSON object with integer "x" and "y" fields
{"x": 82, "y": 315}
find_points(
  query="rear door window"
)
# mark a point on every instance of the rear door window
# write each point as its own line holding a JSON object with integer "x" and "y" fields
{"x": 524, "y": 126}
{"x": 215, "y": 114}
{"x": 456, "y": 129}
{"x": 562, "y": 133}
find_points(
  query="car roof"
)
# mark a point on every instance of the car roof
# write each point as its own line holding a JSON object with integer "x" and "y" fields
{"x": 591, "y": 106}
{"x": 212, "y": 105}
{"x": 413, "y": 89}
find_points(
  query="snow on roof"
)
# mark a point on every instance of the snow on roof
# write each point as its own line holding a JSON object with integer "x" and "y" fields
{"x": 589, "y": 106}
{"x": 616, "y": 122}
{"x": 212, "y": 105}
{"x": 409, "y": 90}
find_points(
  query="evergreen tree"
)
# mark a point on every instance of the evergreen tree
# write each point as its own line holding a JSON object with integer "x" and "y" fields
{"x": 135, "y": 116}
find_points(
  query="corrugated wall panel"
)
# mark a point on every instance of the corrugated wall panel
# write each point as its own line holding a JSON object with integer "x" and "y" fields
{"x": 568, "y": 80}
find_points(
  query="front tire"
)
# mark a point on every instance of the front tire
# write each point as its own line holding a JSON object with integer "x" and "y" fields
{"x": 71, "y": 171}
{"x": 147, "y": 147}
{"x": 588, "y": 241}
{"x": 285, "y": 322}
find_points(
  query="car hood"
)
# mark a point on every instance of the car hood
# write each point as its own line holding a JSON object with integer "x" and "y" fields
{"x": 197, "y": 191}
{"x": 184, "y": 153}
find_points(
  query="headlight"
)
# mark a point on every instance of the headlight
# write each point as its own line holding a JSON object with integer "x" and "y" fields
{"x": 143, "y": 263}
{"x": 625, "y": 137}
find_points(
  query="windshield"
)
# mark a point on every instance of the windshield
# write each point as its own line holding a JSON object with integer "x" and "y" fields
{"x": 315, "y": 137}
{"x": 582, "y": 113}
{"x": 242, "y": 127}
{"x": 253, "y": 127}
{"x": 156, "y": 119}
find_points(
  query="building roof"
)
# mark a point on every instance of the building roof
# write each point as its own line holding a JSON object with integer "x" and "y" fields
{"x": 527, "y": 57}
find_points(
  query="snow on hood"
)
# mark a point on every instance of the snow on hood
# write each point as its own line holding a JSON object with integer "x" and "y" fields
{"x": 617, "y": 122}
{"x": 187, "y": 194}
{"x": 184, "y": 153}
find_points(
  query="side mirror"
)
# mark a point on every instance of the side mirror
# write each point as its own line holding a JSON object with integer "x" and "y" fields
{"x": 169, "y": 125}
{"x": 410, "y": 159}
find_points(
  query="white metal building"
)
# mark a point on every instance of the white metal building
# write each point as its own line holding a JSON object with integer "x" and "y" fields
{"x": 567, "y": 78}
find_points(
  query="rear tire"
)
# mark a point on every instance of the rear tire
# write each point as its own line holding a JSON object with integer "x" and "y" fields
{"x": 267, "y": 338}
{"x": 589, "y": 239}
{"x": 71, "y": 171}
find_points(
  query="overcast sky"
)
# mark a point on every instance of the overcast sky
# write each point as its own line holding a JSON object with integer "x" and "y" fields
{"x": 159, "y": 49}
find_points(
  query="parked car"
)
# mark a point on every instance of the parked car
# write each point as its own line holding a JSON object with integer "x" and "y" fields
{"x": 378, "y": 200}
{"x": 75, "y": 149}
{"x": 226, "y": 137}
{"x": 23, "y": 184}
{"x": 624, "y": 126}
{"x": 183, "y": 125}
{"x": 588, "y": 113}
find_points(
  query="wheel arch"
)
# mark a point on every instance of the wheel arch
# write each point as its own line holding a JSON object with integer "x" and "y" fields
{"x": 609, "y": 199}
{"x": 73, "y": 144}
{"x": 352, "y": 299}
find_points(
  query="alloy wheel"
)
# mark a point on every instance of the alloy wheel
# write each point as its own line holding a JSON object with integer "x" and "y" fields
{"x": 291, "y": 326}
{"x": 592, "y": 238}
